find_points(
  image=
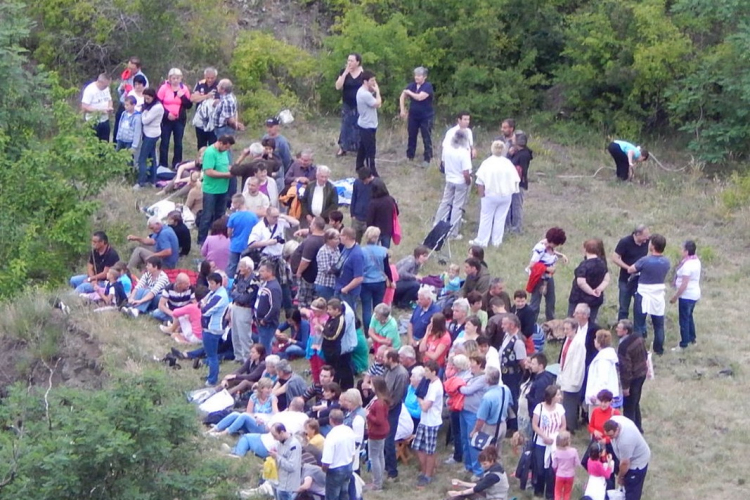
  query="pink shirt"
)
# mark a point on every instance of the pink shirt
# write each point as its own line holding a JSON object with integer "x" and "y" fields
{"x": 169, "y": 99}
{"x": 216, "y": 248}
{"x": 565, "y": 462}
{"x": 598, "y": 468}
{"x": 193, "y": 313}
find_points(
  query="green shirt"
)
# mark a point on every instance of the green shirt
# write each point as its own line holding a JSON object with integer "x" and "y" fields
{"x": 216, "y": 160}
{"x": 388, "y": 330}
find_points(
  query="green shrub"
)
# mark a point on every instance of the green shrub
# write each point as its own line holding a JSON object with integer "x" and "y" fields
{"x": 737, "y": 193}
{"x": 271, "y": 75}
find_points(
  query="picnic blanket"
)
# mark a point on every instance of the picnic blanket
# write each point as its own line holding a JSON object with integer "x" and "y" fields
{"x": 344, "y": 188}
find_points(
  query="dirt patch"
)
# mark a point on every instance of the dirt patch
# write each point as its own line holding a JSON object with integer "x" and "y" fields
{"x": 77, "y": 363}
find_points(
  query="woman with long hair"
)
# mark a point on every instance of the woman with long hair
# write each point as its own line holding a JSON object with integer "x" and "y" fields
{"x": 380, "y": 212}
{"x": 349, "y": 82}
{"x": 151, "y": 118}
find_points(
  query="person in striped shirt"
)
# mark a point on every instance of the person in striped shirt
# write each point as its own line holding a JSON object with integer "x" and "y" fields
{"x": 145, "y": 296}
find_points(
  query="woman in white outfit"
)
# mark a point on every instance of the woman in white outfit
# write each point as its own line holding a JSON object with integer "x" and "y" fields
{"x": 603, "y": 372}
{"x": 497, "y": 181}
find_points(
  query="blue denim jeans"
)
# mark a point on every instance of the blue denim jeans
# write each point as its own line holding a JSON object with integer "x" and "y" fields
{"x": 391, "y": 463}
{"x": 371, "y": 295}
{"x": 627, "y": 291}
{"x": 687, "y": 324}
{"x": 148, "y": 305}
{"x": 81, "y": 285}
{"x": 284, "y": 495}
{"x": 234, "y": 259}
{"x": 337, "y": 483}
{"x": 293, "y": 351}
{"x": 324, "y": 291}
{"x": 148, "y": 150}
{"x": 250, "y": 442}
{"x": 471, "y": 454}
{"x": 639, "y": 326}
{"x": 266, "y": 334}
{"x": 349, "y": 298}
{"x": 160, "y": 315}
{"x": 214, "y": 207}
{"x": 236, "y": 422}
{"x": 544, "y": 477}
{"x": 211, "y": 347}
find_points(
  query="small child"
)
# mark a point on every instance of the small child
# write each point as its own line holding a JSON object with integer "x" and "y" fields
{"x": 565, "y": 459}
{"x": 600, "y": 467}
{"x": 129, "y": 132}
{"x": 451, "y": 281}
{"x": 317, "y": 316}
{"x": 110, "y": 294}
{"x": 475, "y": 307}
{"x": 125, "y": 279}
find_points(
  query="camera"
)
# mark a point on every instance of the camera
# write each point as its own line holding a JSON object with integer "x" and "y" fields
{"x": 279, "y": 239}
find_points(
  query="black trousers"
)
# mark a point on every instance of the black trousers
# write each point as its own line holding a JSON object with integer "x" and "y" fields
{"x": 631, "y": 406}
{"x": 203, "y": 138}
{"x": 367, "y": 149}
{"x": 621, "y": 161}
{"x": 414, "y": 126}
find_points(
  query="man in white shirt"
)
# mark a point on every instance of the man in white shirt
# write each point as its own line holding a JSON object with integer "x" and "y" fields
{"x": 463, "y": 120}
{"x": 96, "y": 103}
{"x": 457, "y": 167}
{"x": 338, "y": 455}
{"x": 268, "y": 234}
{"x": 293, "y": 419}
{"x": 425, "y": 440}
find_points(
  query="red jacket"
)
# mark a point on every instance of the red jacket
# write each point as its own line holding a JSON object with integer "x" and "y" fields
{"x": 537, "y": 271}
{"x": 377, "y": 420}
{"x": 598, "y": 417}
{"x": 453, "y": 389}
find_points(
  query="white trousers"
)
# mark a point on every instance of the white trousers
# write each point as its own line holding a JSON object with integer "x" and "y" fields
{"x": 492, "y": 219}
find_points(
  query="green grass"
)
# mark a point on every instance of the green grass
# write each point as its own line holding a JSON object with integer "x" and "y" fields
{"x": 694, "y": 419}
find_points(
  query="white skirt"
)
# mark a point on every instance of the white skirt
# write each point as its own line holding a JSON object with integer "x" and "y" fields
{"x": 596, "y": 488}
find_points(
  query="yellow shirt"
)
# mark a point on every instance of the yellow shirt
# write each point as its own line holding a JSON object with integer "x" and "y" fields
{"x": 317, "y": 441}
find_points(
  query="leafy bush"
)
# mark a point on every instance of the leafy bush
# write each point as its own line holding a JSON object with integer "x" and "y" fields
{"x": 131, "y": 441}
{"x": 737, "y": 193}
{"x": 271, "y": 75}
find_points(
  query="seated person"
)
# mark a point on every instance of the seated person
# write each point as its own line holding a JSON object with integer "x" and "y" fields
{"x": 249, "y": 373}
{"x": 313, "y": 437}
{"x": 184, "y": 174}
{"x": 261, "y": 406}
{"x": 288, "y": 385}
{"x": 194, "y": 192}
{"x": 293, "y": 419}
{"x": 101, "y": 258}
{"x": 315, "y": 391}
{"x": 267, "y": 185}
{"x": 409, "y": 278}
{"x": 109, "y": 296}
{"x": 293, "y": 344}
{"x": 146, "y": 295}
{"x": 174, "y": 220}
{"x": 475, "y": 307}
{"x": 271, "y": 372}
{"x": 321, "y": 412}
{"x": 383, "y": 328}
{"x": 162, "y": 243}
{"x": 451, "y": 281}
{"x": 313, "y": 485}
{"x": 174, "y": 296}
{"x": 186, "y": 327}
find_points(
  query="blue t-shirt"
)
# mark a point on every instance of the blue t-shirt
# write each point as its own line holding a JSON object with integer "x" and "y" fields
{"x": 353, "y": 267}
{"x": 653, "y": 269}
{"x": 420, "y": 320}
{"x": 301, "y": 335}
{"x": 626, "y": 147}
{"x": 421, "y": 109}
{"x": 167, "y": 239}
{"x": 127, "y": 284}
{"x": 495, "y": 404}
{"x": 241, "y": 223}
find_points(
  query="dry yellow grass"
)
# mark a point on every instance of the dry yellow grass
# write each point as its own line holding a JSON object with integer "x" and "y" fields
{"x": 694, "y": 419}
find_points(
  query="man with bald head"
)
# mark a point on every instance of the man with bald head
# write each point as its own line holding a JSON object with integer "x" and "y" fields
{"x": 175, "y": 295}
{"x": 162, "y": 243}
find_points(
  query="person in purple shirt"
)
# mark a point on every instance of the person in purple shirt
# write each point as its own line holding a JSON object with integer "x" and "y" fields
{"x": 421, "y": 114}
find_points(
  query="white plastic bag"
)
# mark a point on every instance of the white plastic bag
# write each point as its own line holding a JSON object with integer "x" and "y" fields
{"x": 218, "y": 402}
{"x": 618, "y": 494}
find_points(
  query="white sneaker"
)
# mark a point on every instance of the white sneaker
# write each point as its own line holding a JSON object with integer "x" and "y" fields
{"x": 165, "y": 329}
{"x": 457, "y": 237}
{"x": 450, "y": 460}
{"x": 136, "y": 187}
{"x": 678, "y": 349}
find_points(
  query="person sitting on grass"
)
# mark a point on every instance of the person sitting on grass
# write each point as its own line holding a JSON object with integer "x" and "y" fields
{"x": 409, "y": 280}
{"x": 312, "y": 434}
{"x": 162, "y": 243}
{"x": 183, "y": 175}
{"x": 174, "y": 296}
{"x": 174, "y": 220}
{"x": 261, "y": 444}
{"x": 249, "y": 373}
{"x": 383, "y": 329}
{"x": 425, "y": 441}
{"x": 322, "y": 411}
{"x": 261, "y": 406}
{"x": 493, "y": 485}
{"x": 293, "y": 344}
{"x": 110, "y": 295}
{"x": 186, "y": 327}
{"x": 145, "y": 296}
{"x": 101, "y": 258}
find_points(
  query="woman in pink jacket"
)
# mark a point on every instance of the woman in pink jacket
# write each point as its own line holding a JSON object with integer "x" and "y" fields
{"x": 175, "y": 97}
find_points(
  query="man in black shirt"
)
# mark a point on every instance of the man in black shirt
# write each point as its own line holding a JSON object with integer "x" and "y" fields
{"x": 628, "y": 251}
{"x": 205, "y": 91}
{"x": 304, "y": 258}
{"x": 101, "y": 258}
{"x": 525, "y": 314}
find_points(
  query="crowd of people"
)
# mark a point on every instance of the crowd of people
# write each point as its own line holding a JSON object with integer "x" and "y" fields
{"x": 470, "y": 358}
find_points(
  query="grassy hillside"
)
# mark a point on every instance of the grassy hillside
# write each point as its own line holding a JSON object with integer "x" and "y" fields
{"x": 693, "y": 417}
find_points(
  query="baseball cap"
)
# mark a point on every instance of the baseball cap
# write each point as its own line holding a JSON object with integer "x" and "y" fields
{"x": 272, "y": 121}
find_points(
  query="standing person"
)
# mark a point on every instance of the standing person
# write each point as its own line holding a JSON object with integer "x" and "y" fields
{"x": 512, "y": 361}
{"x": 572, "y": 370}
{"x": 473, "y": 391}
{"x": 507, "y": 134}
{"x": 545, "y": 254}
{"x": 540, "y": 380}
{"x": 626, "y": 155}
{"x": 307, "y": 269}
{"x": 549, "y": 420}
{"x": 351, "y": 266}
{"x": 497, "y": 180}
{"x": 493, "y": 409}
{"x": 376, "y": 275}
{"x": 463, "y": 120}
{"x": 381, "y": 210}
{"x": 241, "y": 222}
{"x": 282, "y": 151}
{"x": 349, "y": 82}
{"x": 151, "y": 118}
{"x": 430, "y": 420}
{"x": 652, "y": 271}
{"x": 421, "y": 114}
{"x": 633, "y": 363}
{"x": 603, "y": 372}
{"x": 591, "y": 278}
{"x": 338, "y": 455}
{"x": 368, "y": 102}
{"x": 96, "y": 104}
{"x": 139, "y": 85}
{"x": 633, "y": 453}
{"x": 628, "y": 250}
{"x": 225, "y": 116}
{"x": 328, "y": 255}
{"x": 361, "y": 196}
{"x": 520, "y": 157}
{"x": 213, "y": 307}
{"x": 267, "y": 305}
{"x": 288, "y": 455}
{"x": 457, "y": 167}
{"x": 215, "y": 184}
{"x": 129, "y": 129}
{"x": 377, "y": 430}
{"x": 202, "y": 96}
{"x": 132, "y": 70}
{"x": 175, "y": 97}
{"x": 244, "y": 290}
{"x": 687, "y": 283}
{"x": 565, "y": 461}
{"x": 332, "y": 338}
{"x": 397, "y": 380}
{"x": 101, "y": 258}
